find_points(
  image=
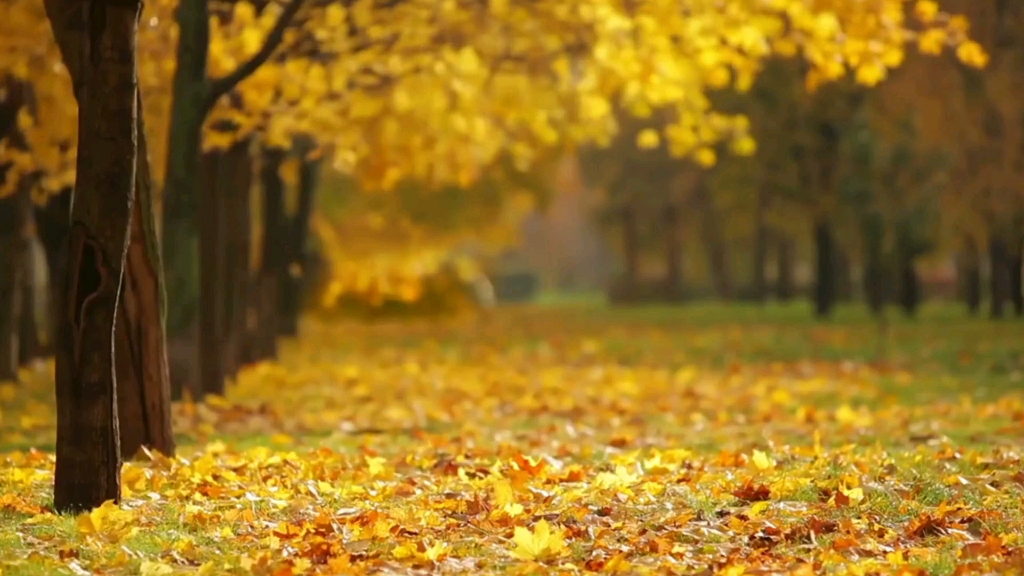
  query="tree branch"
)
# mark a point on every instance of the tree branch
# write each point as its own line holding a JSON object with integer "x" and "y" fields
{"x": 221, "y": 86}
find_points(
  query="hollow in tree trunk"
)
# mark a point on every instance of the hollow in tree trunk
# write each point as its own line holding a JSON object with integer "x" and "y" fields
{"x": 103, "y": 68}
{"x": 673, "y": 252}
{"x": 825, "y": 287}
{"x": 143, "y": 391}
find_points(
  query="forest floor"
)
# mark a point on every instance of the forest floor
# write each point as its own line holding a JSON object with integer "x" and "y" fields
{"x": 566, "y": 440}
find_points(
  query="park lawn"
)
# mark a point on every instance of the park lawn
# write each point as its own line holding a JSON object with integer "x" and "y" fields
{"x": 569, "y": 439}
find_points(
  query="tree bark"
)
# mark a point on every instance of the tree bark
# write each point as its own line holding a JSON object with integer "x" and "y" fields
{"x": 1000, "y": 272}
{"x": 786, "y": 261}
{"x": 1017, "y": 279}
{"x": 143, "y": 392}
{"x": 103, "y": 65}
{"x": 762, "y": 237}
{"x": 825, "y": 285}
{"x": 273, "y": 265}
{"x": 631, "y": 248}
{"x": 673, "y": 252}
{"x": 15, "y": 233}
{"x": 290, "y": 296}
{"x": 31, "y": 340}
{"x": 876, "y": 276}
{"x": 236, "y": 173}
{"x": 714, "y": 242}
{"x": 970, "y": 275}
{"x": 212, "y": 217}
{"x": 53, "y": 225}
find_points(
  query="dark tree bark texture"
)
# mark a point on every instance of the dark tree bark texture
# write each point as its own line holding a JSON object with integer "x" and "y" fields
{"x": 290, "y": 297}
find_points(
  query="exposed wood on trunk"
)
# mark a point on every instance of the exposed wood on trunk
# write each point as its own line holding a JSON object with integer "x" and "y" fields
{"x": 143, "y": 392}
{"x": 102, "y": 62}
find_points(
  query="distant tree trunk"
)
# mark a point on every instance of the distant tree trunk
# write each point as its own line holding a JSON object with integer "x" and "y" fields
{"x": 53, "y": 224}
{"x": 762, "y": 238}
{"x": 786, "y": 262}
{"x": 31, "y": 345}
{"x": 237, "y": 188}
{"x": 843, "y": 275}
{"x": 825, "y": 287}
{"x": 211, "y": 277}
{"x": 909, "y": 287}
{"x": 718, "y": 256}
{"x": 273, "y": 263}
{"x": 290, "y": 296}
{"x": 970, "y": 275}
{"x": 631, "y": 247}
{"x": 876, "y": 276}
{"x": 143, "y": 379}
{"x": 1017, "y": 278}
{"x": 101, "y": 59}
{"x": 14, "y": 237}
{"x": 1000, "y": 281}
{"x": 673, "y": 251}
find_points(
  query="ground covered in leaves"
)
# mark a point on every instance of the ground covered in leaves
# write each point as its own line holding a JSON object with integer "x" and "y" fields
{"x": 566, "y": 441}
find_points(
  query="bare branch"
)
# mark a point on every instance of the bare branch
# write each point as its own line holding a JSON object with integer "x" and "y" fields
{"x": 221, "y": 86}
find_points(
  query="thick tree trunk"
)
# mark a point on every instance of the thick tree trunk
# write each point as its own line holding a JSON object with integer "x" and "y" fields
{"x": 143, "y": 391}
{"x": 970, "y": 275}
{"x": 88, "y": 462}
{"x": 825, "y": 285}
{"x": 211, "y": 278}
{"x": 786, "y": 262}
{"x": 673, "y": 251}
{"x": 1000, "y": 272}
{"x": 714, "y": 242}
{"x": 290, "y": 297}
{"x": 273, "y": 265}
{"x": 236, "y": 174}
{"x": 14, "y": 238}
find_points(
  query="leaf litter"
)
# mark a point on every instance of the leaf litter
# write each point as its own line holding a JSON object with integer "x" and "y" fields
{"x": 533, "y": 444}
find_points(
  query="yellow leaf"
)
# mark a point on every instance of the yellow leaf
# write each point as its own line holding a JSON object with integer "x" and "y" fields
{"x": 762, "y": 461}
{"x": 648, "y": 139}
{"x": 744, "y": 146}
{"x": 155, "y": 569}
{"x": 972, "y": 54}
{"x": 539, "y": 543}
{"x": 706, "y": 157}
{"x": 926, "y": 10}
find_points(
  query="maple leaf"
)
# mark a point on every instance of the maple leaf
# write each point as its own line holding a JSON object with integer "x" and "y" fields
{"x": 539, "y": 543}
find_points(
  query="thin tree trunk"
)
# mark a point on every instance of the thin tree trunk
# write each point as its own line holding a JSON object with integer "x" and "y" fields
{"x": 290, "y": 297}
{"x": 1017, "y": 279}
{"x": 825, "y": 287}
{"x": 970, "y": 272}
{"x": 876, "y": 276}
{"x": 1000, "y": 281}
{"x": 14, "y": 230}
{"x": 631, "y": 248}
{"x": 237, "y": 187}
{"x": 34, "y": 294}
{"x": 718, "y": 256}
{"x": 211, "y": 274}
{"x": 273, "y": 264}
{"x": 102, "y": 62}
{"x": 673, "y": 252}
{"x": 786, "y": 262}
{"x": 762, "y": 237}
{"x": 143, "y": 392}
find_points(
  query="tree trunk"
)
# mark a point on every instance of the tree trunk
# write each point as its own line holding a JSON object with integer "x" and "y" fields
{"x": 718, "y": 256}
{"x": 843, "y": 275}
{"x": 631, "y": 248}
{"x": 786, "y": 262}
{"x": 290, "y": 296}
{"x": 236, "y": 172}
{"x": 825, "y": 287}
{"x": 53, "y": 225}
{"x": 1000, "y": 281}
{"x": 762, "y": 237}
{"x": 876, "y": 276}
{"x": 970, "y": 275}
{"x": 673, "y": 252}
{"x": 211, "y": 278}
{"x": 143, "y": 391}
{"x": 273, "y": 264}
{"x": 31, "y": 339}
{"x": 910, "y": 295}
{"x": 88, "y": 461}
{"x": 1017, "y": 279}
{"x": 14, "y": 237}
